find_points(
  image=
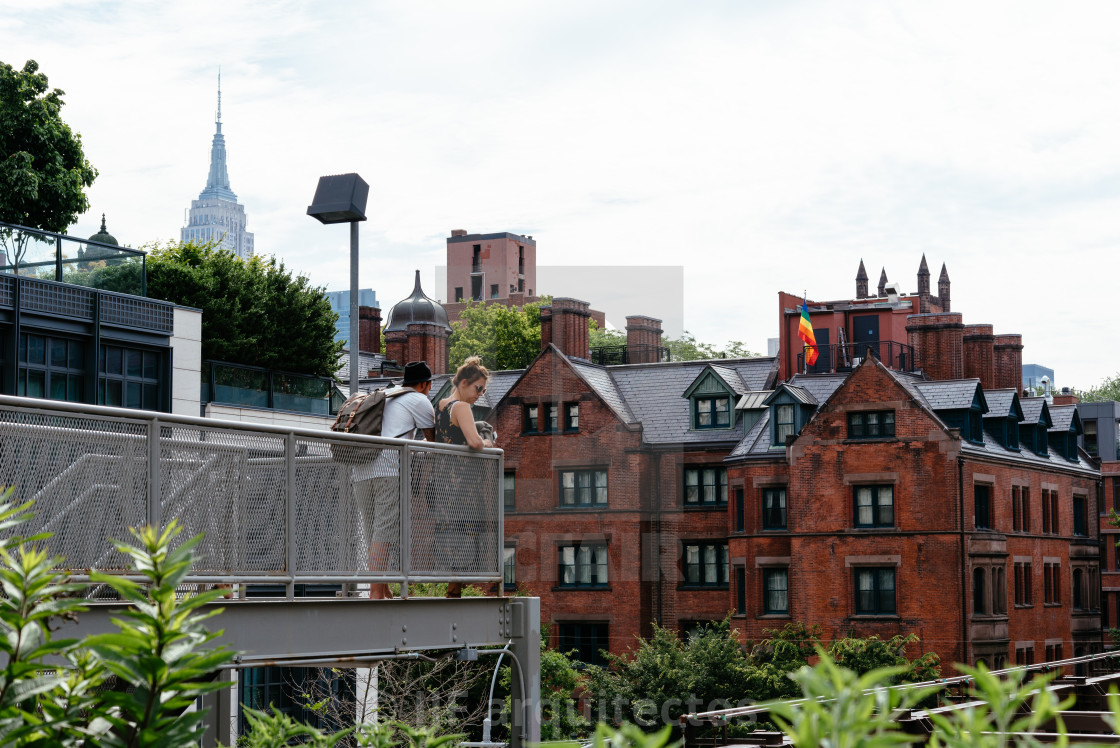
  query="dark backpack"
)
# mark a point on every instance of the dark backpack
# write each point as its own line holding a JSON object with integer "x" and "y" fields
{"x": 363, "y": 414}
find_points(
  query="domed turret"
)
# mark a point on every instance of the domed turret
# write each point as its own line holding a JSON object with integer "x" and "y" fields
{"x": 416, "y": 308}
{"x": 104, "y": 236}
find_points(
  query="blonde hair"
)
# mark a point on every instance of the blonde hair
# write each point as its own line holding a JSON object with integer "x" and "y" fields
{"x": 471, "y": 370}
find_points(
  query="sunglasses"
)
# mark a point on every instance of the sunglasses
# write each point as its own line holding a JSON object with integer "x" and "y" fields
{"x": 480, "y": 388}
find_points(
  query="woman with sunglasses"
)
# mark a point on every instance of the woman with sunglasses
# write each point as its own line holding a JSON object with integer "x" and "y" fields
{"x": 455, "y": 425}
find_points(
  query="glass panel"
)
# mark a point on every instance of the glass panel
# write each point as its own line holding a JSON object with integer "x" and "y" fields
{"x": 135, "y": 363}
{"x": 151, "y": 365}
{"x": 36, "y": 350}
{"x": 886, "y": 591}
{"x": 710, "y": 565}
{"x": 36, "y": 383}
{"x": 76, "y": 353}
{"x": 864, "y": 514}
{"x": 709, "y": 486}
{"x": 886, "y": 505}
{"x": 583, "y": 563}
{"x": 568, "y": 487}
{"x": 692, "y": 563}
{"x": 151, "y": 397}
{"x": 58, "y": 385}
{"x": 23, "y": 349}
{"x": 703, "y": 412}
{"x": 112, "y": 363}
{"x": 113, "y": 393}
{"x": 74, "y": 388}
{"x": 58, "y": 352}
{"x": 600, "y": 486}
{"x": 723, "y": 412}
{"x": 133, "y": 395}
{"x": 691, "y": 486}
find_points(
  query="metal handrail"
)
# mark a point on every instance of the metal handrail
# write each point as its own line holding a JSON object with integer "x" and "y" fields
{"x": 842, "y": 357}
{"x": 59, "y": 261}
{"x": 276, "y": 504}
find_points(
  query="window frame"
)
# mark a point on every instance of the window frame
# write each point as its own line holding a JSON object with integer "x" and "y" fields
{"x": 876, "y": 506}
{"x": 878, "y": 608}
{"x": 767, "y": 512}
{"x": 550, "y": 421}
{"x": 861, "y": 428}
{"x": 982, "y": 506}
{"x": 578, "y": 489}
{"x": 509, "y": 491}
{"x": 530, "y": 419}
{"x": 769, "y": 573}
{"x": 700, "y": 471}
{"x": 592, "y": 562}
{"x": 722, "y": 562}
{"x": 571, "y": 417}
{"x": 579, "y": 635}
{"x": 509, "y": 566}
{"x": 713, "y": 413}
{"x": 784, "y": 428}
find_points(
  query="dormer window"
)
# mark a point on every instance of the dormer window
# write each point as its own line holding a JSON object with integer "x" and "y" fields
{"x": 712, "y": 412}
{"x": 791, "y": 407}
{"x": 784, "y": 423}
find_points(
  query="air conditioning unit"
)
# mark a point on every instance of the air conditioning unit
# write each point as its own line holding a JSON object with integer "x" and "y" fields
{"x": 893, "y": 290}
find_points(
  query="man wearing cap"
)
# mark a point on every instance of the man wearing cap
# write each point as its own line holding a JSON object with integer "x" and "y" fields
{"x": 377, "y": 484}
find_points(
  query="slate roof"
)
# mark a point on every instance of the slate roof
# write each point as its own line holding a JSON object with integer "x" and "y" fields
{"x": 367, "y": 361}
{"x": 601, "y": 381}
{"x": 756, "y": 442}
{"x": 651, "y": 393}
{"x": 1032, "y": 409}
{"x": 732, "y": 378}
{"x": 993, "y": 448}
{"x": 953, "y": 394}
{"x": 999, "y": 403}
{"x": 800, "y": 394}
{"x": 1062, "y": 416}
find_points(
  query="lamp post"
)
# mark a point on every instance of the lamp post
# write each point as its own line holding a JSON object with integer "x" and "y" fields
{"x": 341, "y": 198}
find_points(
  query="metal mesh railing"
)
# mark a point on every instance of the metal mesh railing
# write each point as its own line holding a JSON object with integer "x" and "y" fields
{"x": 274, "y": 505}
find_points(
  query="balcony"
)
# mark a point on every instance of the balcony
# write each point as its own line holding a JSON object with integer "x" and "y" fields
{"x": 257, "y": 387}
{"x": 277, "y": 505}
{"x": 844, "y": 358}
{"x": 43, "y": 255}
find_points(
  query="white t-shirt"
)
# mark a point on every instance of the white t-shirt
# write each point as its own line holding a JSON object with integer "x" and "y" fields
{"x": 404, "y": 415}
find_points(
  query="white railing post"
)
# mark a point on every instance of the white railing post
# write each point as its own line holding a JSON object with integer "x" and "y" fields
{"x": 404, "y": 512}
{"x": 155, "y": 490}
{"x": 290, "y": 513}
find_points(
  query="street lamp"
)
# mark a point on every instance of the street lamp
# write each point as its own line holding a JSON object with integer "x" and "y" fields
{"x": 341, "y": 198}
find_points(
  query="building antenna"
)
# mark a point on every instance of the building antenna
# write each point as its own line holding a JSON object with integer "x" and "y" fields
{"x": 218, "y": 120}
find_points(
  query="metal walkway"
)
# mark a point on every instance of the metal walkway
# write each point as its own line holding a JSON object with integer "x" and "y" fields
{"x": 278, "y": 507}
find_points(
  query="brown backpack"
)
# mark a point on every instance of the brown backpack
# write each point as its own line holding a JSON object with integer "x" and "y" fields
{"x": 363, "y": 414}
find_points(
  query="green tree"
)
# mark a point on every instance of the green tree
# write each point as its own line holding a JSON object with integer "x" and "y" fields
{"x": 684, "y": 348}
{"x": 870, "y": 653}
{"x": 253, "y": 311}
{"x": 505, "y": 337}
{"x": 560, "y": 679}
{"x": 1108, "y": 389}
{"x": 43, "y": 170}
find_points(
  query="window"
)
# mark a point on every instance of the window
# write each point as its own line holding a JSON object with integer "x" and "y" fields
{"x": 128, "y": 377}
{"x": 509, "y": 566}
{"x": 875, "y": 591}
{"x": 551, "y": 417}
{"x": 1024, "y": 580}
{"x": 712, "y": 412}
{"x": 1016, "y": 508}
{"x": 1024, "y": 655}
{"x": 705, "y": 564}
{"x": 705, "y": 486}
{"x": 999, "y": 591}
{"x": 776, "y": 585}
{"x": 532, "y": 419}
{"x": 585, "y": 639}
{"x": 583, "y": 488}
{"x": 458, "y": 293}
{"x": 1078, "y": 593}
{"x": 493, "y": 290}
{"x": 51, "y": 368}
{"x": 983, "y": 503}
{"x": 874, "y": 506}
{"x": 740, "y": 591}
{"x": 571, "y": 417}
{"x": 876, "y": 424}
{"x": 1054, "y": 513}
{"x": 740, "y": 511}
{"x": 979, "y": 591}
{"x": 1052, "y": 583}
{"x": 583, "y": 565}
{"x": 784, "y": 424}
{"x": 509, "y": 492}
{"x": 1026, "y": 509}
{"x": 774, "y": 508}
{"x": 1080, "y": 527}
{"x": 1045, "y": 511}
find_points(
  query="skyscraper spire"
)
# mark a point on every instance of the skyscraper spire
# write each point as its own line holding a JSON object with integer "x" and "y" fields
{"x": 217, "y": 184}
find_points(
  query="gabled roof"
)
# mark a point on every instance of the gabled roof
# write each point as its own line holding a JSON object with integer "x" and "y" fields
{"x": 600, "y": 381}
{"x": 1003, "y": 403}
{"x": 952, "y": 394}
{"x": 1065, "y": 418}
{"x": 819, "y": 387}
{"x": 726, "y": 379}
{"x": 1036, "y": 411}
{"x": 799, "y": 394}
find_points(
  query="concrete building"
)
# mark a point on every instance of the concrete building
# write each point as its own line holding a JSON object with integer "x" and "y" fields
{"x": 216, "y": 216}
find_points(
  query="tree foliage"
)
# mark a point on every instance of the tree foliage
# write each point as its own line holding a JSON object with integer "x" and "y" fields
{"x": 1107, "y": 389}
{"x": 253, "y": 311}
{"x": 684, "y": 348}
{"x": 505, "y": 337}
{"x": 43, "y": 170}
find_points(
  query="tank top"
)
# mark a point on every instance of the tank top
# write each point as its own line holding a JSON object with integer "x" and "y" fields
{"x": 446, "y": 431}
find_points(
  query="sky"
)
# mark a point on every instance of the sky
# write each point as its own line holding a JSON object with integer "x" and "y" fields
{"x": 755, "y": 146}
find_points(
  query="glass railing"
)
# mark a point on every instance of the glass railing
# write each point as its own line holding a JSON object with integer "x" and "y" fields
{"x": 44, "y": 255}
{"x": 257, "y": 387}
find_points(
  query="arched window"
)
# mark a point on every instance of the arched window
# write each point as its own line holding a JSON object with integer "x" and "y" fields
{"x": 979, "y": 595}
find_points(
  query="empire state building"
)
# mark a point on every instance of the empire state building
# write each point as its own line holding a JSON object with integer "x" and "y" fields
{"x": 216, "y": 216}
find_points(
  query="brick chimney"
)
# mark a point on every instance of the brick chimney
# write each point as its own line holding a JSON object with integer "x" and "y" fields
{"x": 426, "y": 341}
{"x": 938, "y": 343}
{"x": 564, "y": 324}
{"x": 1009, "y": 361}
{"x": 369, "y": 329}
{"x": 396, "y": 346}
{"x": 979, "y": 354}
{"x": 1066, "y": 397}
{"x": 861, "y": 282}
{"x": 643, "y": 340}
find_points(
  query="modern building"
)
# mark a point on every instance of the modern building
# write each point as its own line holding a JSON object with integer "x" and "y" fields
{"x": 216, "y": 216}
{"x": 1100, "y": 422}
{"x": 340, "y": 305}
{"x": 1038, "y": 379}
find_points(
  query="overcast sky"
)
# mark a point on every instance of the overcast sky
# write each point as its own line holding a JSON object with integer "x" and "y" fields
{"x": 762, "y": 146}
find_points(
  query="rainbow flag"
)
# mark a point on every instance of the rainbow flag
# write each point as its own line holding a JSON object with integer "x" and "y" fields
{"x": 805, "y": 332}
